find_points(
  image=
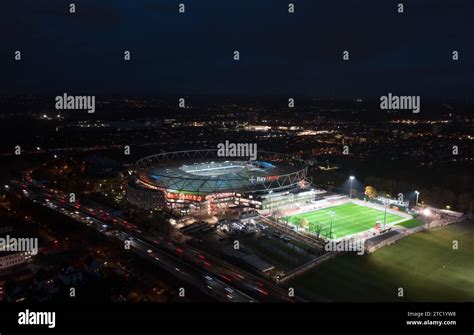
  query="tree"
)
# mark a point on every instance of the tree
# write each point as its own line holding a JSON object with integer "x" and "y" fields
{"x": 318, "y": 230}
{"x": 370, "y": 192}
{"x": 315, "y": 228}
{"x": 449, "y": 198}
{"x": 464, "y": 202}
{"x": 304, "y": 222}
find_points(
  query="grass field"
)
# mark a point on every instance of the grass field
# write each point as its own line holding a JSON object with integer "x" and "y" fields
{"x": 425, "y": 265}
{"x": 348, "y": 219}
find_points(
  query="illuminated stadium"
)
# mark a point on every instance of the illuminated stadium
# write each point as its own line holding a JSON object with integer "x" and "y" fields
{"x": 200, "y": 180}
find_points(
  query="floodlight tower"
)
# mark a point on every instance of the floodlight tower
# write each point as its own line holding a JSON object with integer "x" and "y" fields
{"x": 417, "y": 194}
{"x": 351, "y": 178}
{"x": 331, "y": 214}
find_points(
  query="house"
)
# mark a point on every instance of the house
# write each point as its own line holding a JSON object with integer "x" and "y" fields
{"x": 70, "y": 276}
{"x": 46, "y": 282}
{"x": 92, "y": 266}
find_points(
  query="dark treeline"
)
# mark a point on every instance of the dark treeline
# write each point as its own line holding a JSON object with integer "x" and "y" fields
{"x": 455, "y": 191}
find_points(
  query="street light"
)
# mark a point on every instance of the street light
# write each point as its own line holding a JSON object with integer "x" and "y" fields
{"x": 417, "y": 194}
{"x": 350, "y": 191}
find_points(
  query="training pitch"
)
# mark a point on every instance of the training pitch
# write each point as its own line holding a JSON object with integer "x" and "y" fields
{"x": 347, "y": 219}
{"x": 426, "y": 265}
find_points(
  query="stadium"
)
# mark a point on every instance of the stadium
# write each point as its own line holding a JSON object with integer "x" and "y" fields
{"x": 201, "y": 180}
{"x": 276, "y": 185}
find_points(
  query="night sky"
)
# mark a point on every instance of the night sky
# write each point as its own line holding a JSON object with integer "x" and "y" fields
{"x": 281, "y": 53}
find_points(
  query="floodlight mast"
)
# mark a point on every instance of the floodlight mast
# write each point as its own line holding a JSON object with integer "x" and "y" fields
{"x": 331, "y": 214}
{"x": 351, "y": 178}
{"x": 417, "y": 194}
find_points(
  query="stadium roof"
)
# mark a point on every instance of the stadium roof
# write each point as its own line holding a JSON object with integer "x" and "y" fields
{"x": 208, "y": 174}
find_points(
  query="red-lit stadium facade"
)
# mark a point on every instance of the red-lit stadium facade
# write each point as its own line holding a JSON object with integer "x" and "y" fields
{"x": 200, "y": 180}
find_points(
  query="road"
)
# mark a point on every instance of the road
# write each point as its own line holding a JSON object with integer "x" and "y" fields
{"x": 209, "y": 274}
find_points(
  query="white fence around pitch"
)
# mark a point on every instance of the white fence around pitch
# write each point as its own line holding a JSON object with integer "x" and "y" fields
{"x": 381, "y": 208}
{"x": 316, "y": 205}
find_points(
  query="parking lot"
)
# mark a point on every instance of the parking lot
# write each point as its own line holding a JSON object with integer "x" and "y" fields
{"x": 253, "y": 237}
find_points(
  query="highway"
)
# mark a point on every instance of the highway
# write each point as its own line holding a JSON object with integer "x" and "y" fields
{"x": 202, "y": 280}
{"x": 244, "y": 281}
{"x": 212, "y": 276}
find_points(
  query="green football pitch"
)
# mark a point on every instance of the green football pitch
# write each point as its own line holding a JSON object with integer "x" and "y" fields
{"x": 347, "y": 219}
{"x": 426, "y": 265}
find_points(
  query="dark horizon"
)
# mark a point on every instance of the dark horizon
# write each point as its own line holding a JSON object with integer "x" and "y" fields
{"x": 282, "y": 54}
{"x": 239, "y": 98}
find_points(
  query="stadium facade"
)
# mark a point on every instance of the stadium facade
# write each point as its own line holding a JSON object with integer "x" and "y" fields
{"x": 201, "y": 180}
